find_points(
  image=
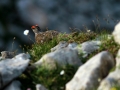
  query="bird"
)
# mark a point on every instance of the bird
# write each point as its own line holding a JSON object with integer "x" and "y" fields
{"x": 41, "y": 37}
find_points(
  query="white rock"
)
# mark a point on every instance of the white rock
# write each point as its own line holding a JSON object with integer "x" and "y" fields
{"x": 22, "y": 56}
{"x": 60, "y": 57}
{"x": 116, "y": 33}
{"x": 64, "y": 44}
{"x": 40, "y": 87}
{"x": 113, "y": 78}
{"x": 12, "y": 68}
{"x": 72, "y": 45}
{"x": 90, "y": 74}
{"x": 84, "y": 48}
{"x": 88, "y": 47}
{"x": 0, "y": 58}
{"x": 118, "y": 60}
{"x": 61, "y": 45}
{"x": 15, "y": 85}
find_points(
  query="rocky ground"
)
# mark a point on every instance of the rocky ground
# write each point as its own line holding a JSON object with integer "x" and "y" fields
{"x": 94, "y": 74}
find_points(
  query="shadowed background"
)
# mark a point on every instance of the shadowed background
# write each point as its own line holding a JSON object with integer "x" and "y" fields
{"x": 18, "y": 15}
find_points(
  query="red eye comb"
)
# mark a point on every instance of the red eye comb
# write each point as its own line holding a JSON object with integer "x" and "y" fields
{"x": 33, "y": 27}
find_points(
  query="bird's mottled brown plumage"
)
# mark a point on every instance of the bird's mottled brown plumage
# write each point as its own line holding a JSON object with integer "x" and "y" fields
{"x": 41, "y": 37}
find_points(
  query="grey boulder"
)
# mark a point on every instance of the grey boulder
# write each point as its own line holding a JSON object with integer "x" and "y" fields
{"x": 116, "y": 33}
{"x": 113, "y": 79}
{"x": 12, "y": 68}
{"x": 15, "y": 85}
{"x": 60, "y": 57}
{"x": 92, "y": 72}
{"x": 87, "y": 47}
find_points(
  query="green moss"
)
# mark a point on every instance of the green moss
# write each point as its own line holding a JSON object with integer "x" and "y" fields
{"x": 49, "y": 78}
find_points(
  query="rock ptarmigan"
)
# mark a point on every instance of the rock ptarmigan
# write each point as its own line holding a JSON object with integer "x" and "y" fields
{"x": 41, "y": 37}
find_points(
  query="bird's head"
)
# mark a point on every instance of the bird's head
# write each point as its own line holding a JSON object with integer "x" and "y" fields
{"x": 35, "y": 29}
{"x": 39, "y": 29}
